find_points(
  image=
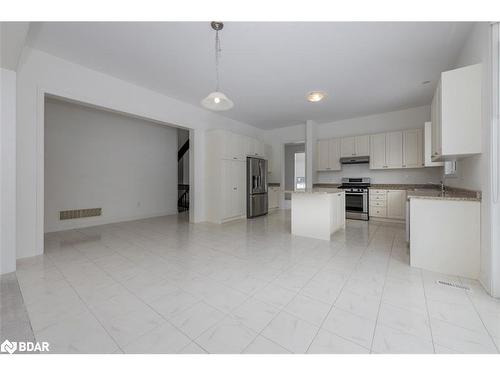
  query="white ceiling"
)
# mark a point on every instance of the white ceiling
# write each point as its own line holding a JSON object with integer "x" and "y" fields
{"x": 267, "y": 68}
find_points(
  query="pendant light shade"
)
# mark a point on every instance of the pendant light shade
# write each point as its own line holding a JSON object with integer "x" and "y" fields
{"x": 217, "y": 101}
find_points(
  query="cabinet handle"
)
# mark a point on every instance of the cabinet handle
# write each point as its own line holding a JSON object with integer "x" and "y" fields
{"x": 353, "y": 154}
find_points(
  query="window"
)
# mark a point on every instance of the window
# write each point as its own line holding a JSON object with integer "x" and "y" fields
{"x": 300, "y": 171}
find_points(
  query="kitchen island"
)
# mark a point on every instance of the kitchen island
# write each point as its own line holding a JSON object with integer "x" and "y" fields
{"x": 318, "y": 214}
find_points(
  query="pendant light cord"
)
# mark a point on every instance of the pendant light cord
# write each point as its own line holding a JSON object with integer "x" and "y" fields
{"x": 217, "y": 57}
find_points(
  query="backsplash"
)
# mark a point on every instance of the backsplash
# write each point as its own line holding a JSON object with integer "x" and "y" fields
{"x": 393, "y": 176}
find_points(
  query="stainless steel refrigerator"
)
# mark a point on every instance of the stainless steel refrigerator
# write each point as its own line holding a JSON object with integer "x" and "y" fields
{"x": 256, "y": 187}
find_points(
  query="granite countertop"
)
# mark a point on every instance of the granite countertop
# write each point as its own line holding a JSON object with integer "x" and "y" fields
{"x": 451, "y": 195}
{"x": 314, "y": 191}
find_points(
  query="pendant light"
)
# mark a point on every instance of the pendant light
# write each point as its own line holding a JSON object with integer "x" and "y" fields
{"x": 217, "y": 101}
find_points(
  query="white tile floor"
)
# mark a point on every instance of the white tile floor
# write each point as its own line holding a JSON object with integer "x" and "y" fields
{"x": 163, "y": 285}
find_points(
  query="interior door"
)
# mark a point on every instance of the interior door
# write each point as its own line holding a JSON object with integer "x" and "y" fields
{"x": 394, "y": 150}
{"x": 377, "y": 151}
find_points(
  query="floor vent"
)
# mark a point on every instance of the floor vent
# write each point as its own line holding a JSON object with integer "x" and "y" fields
{"x": 453, "y": 285}
{"x": 77, "y": 214}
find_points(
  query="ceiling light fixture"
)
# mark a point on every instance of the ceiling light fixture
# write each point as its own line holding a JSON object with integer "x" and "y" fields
{"x": 315, "y": 96}
{"x": 217, "y": 101}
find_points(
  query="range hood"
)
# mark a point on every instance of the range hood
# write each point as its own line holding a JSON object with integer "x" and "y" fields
{"x": 355, "y": 160}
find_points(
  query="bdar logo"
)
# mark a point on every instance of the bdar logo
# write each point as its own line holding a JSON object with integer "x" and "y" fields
{"x": 8, "y": 347}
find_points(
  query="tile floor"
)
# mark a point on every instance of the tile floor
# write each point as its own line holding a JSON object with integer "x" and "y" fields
{"x": 163, "y": 285}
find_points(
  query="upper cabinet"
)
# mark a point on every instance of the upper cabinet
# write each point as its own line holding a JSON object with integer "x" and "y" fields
{"x": 394, "y": 150}
{"x": 355, "y": 146}
{"x": 456, "y": 114}
{"x": 413, "y": 148}
{"x": 400, "y": 149}
{"x": 328, "y": 154}
{"x": 428, "y": 147}
{"x": 228, "y": 145}
{"x": 377, "y": 151}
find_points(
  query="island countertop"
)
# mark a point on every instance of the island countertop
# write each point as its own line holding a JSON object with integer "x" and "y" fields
{"x": 314, "y": 191}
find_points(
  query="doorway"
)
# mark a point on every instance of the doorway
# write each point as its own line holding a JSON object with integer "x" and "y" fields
{"x": 294, "y": 169}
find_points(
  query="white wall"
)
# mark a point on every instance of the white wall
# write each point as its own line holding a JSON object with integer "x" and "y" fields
{"x": 95, "y": 158}
{"x": 404, "y": 119}
{"x": 41, "y": 73}
{"x": 475, "y": 172}
{"x": 7, "y": 171}
{"x": 277, "y": 138}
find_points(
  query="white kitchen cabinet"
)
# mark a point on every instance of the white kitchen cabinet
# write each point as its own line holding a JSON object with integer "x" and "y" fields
{"x": 362, "y": 145}
{"x": 334, "y": 154}
{"x": 428, "y": 147}
{"x": 445, "y": 236}
{"x": 225, "y": 165}
{"x": 456, "y": 112}
{"x": 347, "y": 146}
{"x": 273, "y": 197}
{"x": 233, "y": 187}
{"x": 387, "y": 204}
{"x": 355, "y": 146}
{"x": 269, "y": 156}
{"x": 413, "y": 148}
{"x": 377, "y": 151}
{"x": 386, "y": 150}
{"x": 328, "y": 154}
{"x": 323, "y": 150}
{"x": 396, "y": 204}
{"x": 394, "y": 150}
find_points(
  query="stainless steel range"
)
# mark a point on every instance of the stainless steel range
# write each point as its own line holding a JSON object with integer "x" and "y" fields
{"x": 356, "y": 197}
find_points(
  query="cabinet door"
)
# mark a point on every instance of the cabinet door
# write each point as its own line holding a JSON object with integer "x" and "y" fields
{"x": 323, "y": 146}
{"x": 237, "y": 144}
{"x": 226, "y": 192}
{"x": 238, "y": 188}
{"x": 377, "y": 151}
{"x": 412, "y": 148}
{"x": 436, "y": 122}
{"x": 394, "y": 150}
{"x": 396, "y": 204}
{"x": 348, "y": 146}
{"x": 273, "y": 197}
{"x": 362, "y": 145}
{"x": 248, "y": 146}
{"x": 334, "y": 148}
{"x": 428, "y": 147}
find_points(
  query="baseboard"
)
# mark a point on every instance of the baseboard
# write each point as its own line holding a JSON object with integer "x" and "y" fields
{"x": 386, "y": 220}
{"x": 82, "y": 223}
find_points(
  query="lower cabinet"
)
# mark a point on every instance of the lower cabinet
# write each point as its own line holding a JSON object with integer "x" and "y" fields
{"x": 273, "y": 193}
{"x": 388, "y": 204}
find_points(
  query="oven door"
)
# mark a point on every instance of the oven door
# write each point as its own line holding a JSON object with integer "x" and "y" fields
{"x": 356, "y": 205}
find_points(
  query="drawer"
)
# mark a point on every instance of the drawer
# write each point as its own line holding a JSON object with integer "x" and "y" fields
{"x": 377, "y": 191}
{"x": 378, "y": 211}
{"x": 377, "y": 197}
{"x": 377, "y": 203}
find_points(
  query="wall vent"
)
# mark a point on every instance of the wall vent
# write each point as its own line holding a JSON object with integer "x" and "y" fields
{"x": 453, "y": 285}
{"x": 78, "y": 214}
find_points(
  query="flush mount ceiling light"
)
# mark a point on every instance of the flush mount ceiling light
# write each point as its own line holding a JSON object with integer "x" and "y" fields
{"x": 315, "y": 96}
{"x": 217, "y": 101}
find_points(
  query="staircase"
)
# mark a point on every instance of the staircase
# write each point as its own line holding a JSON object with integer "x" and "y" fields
{"x": 182, "y": 189}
